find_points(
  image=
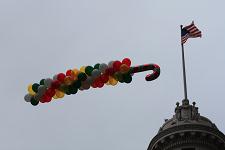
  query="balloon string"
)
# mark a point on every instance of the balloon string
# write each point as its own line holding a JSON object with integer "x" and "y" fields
{"x": 146, "y": 67}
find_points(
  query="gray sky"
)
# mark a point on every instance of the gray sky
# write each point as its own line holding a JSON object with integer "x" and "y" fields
{"x": 39, "y": 38}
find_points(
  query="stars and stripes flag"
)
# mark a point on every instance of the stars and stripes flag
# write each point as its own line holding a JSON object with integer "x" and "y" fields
{"x": 190, "y": 31}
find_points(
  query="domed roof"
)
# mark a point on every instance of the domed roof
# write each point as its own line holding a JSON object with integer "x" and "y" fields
{"x": 186, "y": 114}
{"x": 188, "y": 128}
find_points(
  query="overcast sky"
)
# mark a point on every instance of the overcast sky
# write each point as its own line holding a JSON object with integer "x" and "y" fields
{"x": 39, "y": 38}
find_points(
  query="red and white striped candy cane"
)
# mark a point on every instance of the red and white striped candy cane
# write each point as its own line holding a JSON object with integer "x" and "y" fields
{"x": 146, "y": 67}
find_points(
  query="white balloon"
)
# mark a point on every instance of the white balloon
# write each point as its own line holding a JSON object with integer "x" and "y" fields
{"x": 41, "y": 90}
{"x": 95, "y": 73}
{"x": 55, "y": 77}
{"x": 27, "y": 97}
{"x": 37, "y": 97}
{"x": 48, "y": 82}
{"x": 89, "y": 80}
{"x": 110, "y": 64}
{"x": 103, "y": 67}
{"x": 85, "y": 85}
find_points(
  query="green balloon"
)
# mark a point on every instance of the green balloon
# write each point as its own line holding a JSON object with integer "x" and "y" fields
{"x": 119, "y": 77}
{"x": 127, "y": 78}
{"x": 42, "y": 82}
{"x": 68, "y": 92}
{"x": 76, "y": 84}
{"x": 88, "y": 70}
{"x": 35, "y": 87}
{"x": 82, "y": 76}
{"x": 34, "y": 102}
{"x": 65, "y": 89}
{"x": 130, "y": 71}
{"x": 96, "y": 66}
{"x": 121, "y": 81}
{"x": 72, "y": 90}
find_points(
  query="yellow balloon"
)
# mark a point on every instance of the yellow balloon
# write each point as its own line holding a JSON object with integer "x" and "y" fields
{"x": 55, "y": 97}
{"x": 30, "y": 90}
{"x": 59, "y": 94}
{"x": 75, "y": 78}
{"x": 124, "y": 68}
{"x": 108, "y": 83}
{"x": 82, "y": 69}
{"x": 112, "y": 81}
{"x": 75, "y": 72}
{"x": 110, "y": 78}
{"x": 68, "y": 80}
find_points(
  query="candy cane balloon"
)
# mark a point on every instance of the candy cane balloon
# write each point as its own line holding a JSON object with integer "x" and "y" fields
{"x": 86, "y": 77}
{"x": 149, "y": 77}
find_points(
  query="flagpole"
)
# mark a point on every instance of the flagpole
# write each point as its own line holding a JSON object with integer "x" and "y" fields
{"x": 184, "y": 71}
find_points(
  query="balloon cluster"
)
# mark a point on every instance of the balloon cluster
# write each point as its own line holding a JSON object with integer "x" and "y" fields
{"x": 82, "y": 79}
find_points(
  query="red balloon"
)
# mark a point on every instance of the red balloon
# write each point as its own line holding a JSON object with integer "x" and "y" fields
{"x": 48, "y": 99}
{"x": 42, "y": 100}
{"x": 109, "y": 71}
{"x": 116, "y": 65}
{"x": 45, "y": 98}
{"x": 69, "y": 72}
{"x": 55, "y": 84}
{"x": 50, "y": 92}
{"x": 126, "y": 61}
{"x": 100, "y": 84}
{"x": 61, "y": 77}
{"x": 104, "y": 78}
{"x": 94, "y": 85}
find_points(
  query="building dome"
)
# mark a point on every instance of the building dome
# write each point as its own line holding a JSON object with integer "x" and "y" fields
{"x": 186, "y": 114}
{"x": 188, "y": 130}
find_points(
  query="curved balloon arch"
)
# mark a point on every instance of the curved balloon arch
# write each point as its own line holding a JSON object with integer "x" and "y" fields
{"x": 86, "y": 77}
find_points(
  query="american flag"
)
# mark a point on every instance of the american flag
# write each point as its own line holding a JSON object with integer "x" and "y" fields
{"x": 190, "y": 31}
